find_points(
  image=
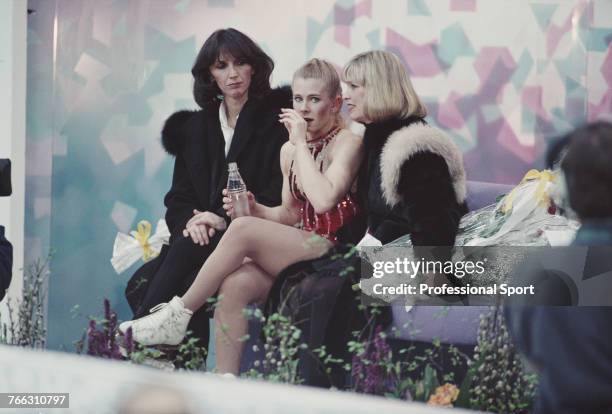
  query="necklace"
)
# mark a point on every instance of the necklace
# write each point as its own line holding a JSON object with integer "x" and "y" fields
{"x": 323, "y": 139}
{"x": 319, "y": 149}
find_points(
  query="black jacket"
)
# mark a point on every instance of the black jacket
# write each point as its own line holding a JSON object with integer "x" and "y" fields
{"x": 6, "y": 263}
{"x": 412, "y": 182}
{"x": 200, "y": 169}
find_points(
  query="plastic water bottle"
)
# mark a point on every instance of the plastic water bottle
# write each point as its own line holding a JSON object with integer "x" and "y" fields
{"x": 237, "y": 192}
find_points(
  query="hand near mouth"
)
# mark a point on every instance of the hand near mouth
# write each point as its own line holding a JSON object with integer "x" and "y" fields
{"x": 295, "y": 124}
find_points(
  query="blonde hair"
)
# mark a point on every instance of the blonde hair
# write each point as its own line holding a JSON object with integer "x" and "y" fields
{"x": 324, "y": 70}
{"x": 388, "y": 89}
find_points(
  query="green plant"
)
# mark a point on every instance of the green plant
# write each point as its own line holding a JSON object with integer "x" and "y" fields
{"x": 403, "y": 373}
{"x": 26, "y": 326}
{"x": 498, "y": 380}
{"x": 142, "y": 356}
{"x": 281, "y": 347}
{"x": 100, "y": 339}
{"x": 190, "y": 355}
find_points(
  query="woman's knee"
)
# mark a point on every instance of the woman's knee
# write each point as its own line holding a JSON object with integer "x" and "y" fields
{"x": 242, "y": 224}
{"x": 239, "y": 230}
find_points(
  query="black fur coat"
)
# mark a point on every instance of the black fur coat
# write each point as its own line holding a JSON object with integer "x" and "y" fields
{"x": 200, "y": 170}
{"x": 412, "y": 182}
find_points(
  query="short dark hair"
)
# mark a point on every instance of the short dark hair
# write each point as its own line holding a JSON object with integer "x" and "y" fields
{"x": 587, "y": 167}
{"x": 240, "y": 46}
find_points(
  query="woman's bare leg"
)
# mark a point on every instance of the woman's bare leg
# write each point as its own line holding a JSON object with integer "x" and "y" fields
{"x": 272, "y": 246}
{"x": 249, "y": 284}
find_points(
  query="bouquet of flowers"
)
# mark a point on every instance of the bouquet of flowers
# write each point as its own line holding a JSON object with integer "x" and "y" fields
{"x": 128, "y": 248}
{"x": 527, "y": 216}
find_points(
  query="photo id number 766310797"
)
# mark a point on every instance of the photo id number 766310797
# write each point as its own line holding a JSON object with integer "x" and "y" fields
{"x": 34, "y": 400}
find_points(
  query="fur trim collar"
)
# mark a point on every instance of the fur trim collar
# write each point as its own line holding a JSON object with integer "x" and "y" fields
{"x": 277, "y": 98}
{"x": 406, "y": 142}
{"x": 173, "y": 133}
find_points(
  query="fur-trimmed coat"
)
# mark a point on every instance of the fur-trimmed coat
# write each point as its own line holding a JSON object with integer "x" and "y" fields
{"x": 414, "y": 183}
{"x": 200, "y": 169}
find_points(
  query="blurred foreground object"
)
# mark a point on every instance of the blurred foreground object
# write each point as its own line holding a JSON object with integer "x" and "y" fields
{"x": 6, "y": 263}
{"x": 570, "y": 346}
{"x": 155, "y": 400}
{"x": 5, "y": 177}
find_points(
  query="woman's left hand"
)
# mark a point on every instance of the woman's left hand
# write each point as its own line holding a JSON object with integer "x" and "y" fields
{"x": 295, "y": 124}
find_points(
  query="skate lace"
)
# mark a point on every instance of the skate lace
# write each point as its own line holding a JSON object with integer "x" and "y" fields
{"x": 157, "y": 307}
{"x": 157, "y": 318}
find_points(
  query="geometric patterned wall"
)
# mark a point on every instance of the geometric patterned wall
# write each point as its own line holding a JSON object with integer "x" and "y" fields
{"x": 500, "y": 76}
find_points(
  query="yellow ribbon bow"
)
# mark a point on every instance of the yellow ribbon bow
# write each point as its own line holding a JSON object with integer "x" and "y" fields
{"x": 544, "y": 177}
{"x": 142, "y": 234}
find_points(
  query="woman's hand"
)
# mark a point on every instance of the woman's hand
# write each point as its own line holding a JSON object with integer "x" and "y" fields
{"x": 229, "y": 208}
{"x": 295, "y": 124}
{"x": 202, "y": 226}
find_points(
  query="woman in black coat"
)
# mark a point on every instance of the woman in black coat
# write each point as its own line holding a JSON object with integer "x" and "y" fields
{"x": 238, "y": 123}
{"x": 412, "y": 182}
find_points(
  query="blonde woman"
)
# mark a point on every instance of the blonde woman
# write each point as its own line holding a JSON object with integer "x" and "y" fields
{"x": 414, "y": 178}
{"x": 319, "y": 166}
{"x": 411, "y": 182}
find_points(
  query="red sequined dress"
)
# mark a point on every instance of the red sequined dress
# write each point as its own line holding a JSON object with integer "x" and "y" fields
{"x": 324, "y": 224}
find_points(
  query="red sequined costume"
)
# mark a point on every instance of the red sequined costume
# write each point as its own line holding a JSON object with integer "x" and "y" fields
{"x": 324, "y": 224}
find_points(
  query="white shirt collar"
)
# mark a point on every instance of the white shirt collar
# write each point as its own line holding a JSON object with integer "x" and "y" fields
{"x": 228, "y": 131}
{"x": 223, "y": 117}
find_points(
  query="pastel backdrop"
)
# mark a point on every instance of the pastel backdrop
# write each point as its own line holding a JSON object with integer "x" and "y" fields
{"x": 501, "y": 77}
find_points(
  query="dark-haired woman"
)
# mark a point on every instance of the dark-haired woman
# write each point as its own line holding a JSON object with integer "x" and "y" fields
{"x": 237, "y": 122}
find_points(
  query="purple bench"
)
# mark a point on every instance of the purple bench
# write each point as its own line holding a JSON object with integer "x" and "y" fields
{"x": 454, "y": 324}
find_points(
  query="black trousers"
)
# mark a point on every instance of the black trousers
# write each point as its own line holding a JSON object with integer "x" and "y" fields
{"x": 170, "y": 274}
